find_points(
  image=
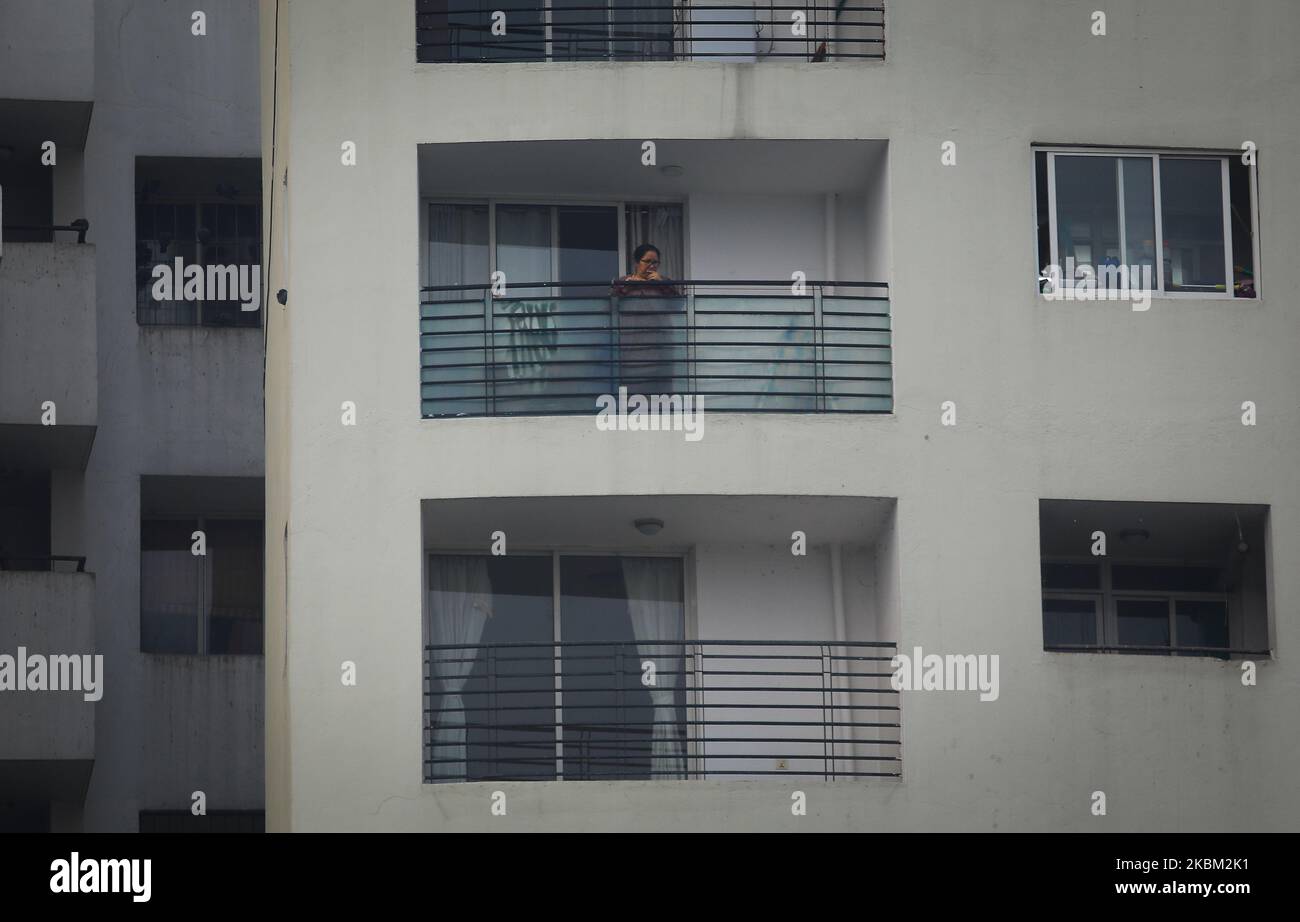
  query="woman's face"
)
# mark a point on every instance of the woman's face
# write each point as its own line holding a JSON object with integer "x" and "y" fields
{"x": 648, "y": 263}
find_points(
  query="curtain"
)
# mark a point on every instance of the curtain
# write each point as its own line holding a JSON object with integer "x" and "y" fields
{"x": 654, "y": 602}
{"x": 660, "y": 225}
{"x": 460, "y": 602}
{"x": 458, "y": 242}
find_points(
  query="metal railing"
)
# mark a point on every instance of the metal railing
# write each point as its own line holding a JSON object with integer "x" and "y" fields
{"x": 664, "y": 710}
{"x": 742, "y": 346}
{"x": 40, "y": 562}
{"x": 459, "y": 31}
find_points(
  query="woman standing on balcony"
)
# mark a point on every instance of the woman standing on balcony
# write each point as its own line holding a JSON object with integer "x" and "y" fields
{"x": 652, "y": 338}
{"x": 645, "y": 271}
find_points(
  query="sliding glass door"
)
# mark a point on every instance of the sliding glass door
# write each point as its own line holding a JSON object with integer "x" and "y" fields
{"x": 547, "y": 666}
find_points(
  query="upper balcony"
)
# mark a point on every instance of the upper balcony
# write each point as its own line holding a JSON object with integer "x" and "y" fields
{"x": 459, "y": 31}
{"x": 47, "y": 50}
{"x": 48, "y": 369}
{"x": 558, "y": 273}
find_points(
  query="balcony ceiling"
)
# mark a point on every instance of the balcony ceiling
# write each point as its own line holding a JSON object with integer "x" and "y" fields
{"x": 1202, "y": 531}
{"x": 614, "y": 169}
{"x": 606, "y": 521}
{"x": 25, "y": 124}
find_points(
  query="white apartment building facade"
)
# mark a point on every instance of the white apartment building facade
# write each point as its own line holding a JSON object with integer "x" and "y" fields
{"x": 488, "y": 609}
{"x": 129, "y": 423}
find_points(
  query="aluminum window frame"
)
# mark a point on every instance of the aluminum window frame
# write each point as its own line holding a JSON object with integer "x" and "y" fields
{"x": 1157, "y": 155}
{"x": 556, "y": 552}
{"x": 1108, "y": 629}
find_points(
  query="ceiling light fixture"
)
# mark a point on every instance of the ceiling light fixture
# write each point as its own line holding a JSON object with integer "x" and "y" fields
{"x": 1135, "y": 536}
{"x": 649, "y": 526}
{"x": 672, "y": 169}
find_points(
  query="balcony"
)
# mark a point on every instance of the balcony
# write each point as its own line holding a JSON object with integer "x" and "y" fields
{"x": 48, "y": 367}
{"x": 458, "y": 31}
{"x": 601, "y": 649}
{"x": 48, "y": 744}
{"x": 746, "y": 347}
{"x": 660, "y": 711}
{"x": 47, "y": 51}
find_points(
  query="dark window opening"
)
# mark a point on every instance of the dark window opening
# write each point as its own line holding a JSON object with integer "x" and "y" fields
{"x": 205, "y": 212}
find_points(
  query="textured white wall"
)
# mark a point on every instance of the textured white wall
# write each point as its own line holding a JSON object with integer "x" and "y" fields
{"x": 1054, "y": 400}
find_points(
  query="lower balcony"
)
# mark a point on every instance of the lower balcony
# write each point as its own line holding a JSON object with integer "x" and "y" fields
{"x": 603, "y": 646}
{"x": 664, "y": 710}
{"x": 47, "y": 711}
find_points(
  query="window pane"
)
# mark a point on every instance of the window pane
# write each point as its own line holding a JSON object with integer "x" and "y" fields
{"x": 1069, "y": 621}
{"x": 615, "y": 726}
{"x": 1139, "y": 216}
{"x": 1071, "y": 576}
{"x": 524, "y": 247}
{"x": 170, "y": 580}
{"x": 1191, "y": 209}
{"x": 491, "y": 686}
{"x": 235, "y": 601}
{"x": 1166, "y": 579}
{"x": 588, "y": 248}
{"x": 1243, "y": 229}
{"x": 1201, "y": 623}
{"x": 1142, "y": 622}
{"x": 458, "y": 245}
{"x": 1087, "y": 211}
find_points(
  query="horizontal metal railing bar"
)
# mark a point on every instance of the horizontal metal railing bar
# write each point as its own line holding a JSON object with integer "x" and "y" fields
{"x": 43, "y": 558}
{"x": 664, "y": 7}
{"x": 550, "y": 728}
{"x": 664, "y": 643}
{"x": 689, "y": 775}
{"x": 641, "y": 56}
{"x": 691, "y": 722}
{"x": 622, "y": 759}
{"x": 673, "y": 283}
{"x": 730, "y": 689}
{"x": 715, "y": 705}
{"x": 79, "y": 227}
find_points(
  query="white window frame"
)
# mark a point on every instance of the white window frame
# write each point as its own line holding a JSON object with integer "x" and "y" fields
{"x": 1157, "y": 155}
{"x": 690, "y": 629}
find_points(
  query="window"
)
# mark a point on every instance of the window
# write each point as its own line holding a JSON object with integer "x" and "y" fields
{"x": 205, "y": 212}
{"x": 505, "y": 702}
{"x": 172, "y": 821}
{"x": 1101, "y": 209}
{"x": 1147, "y": 608}
{"x": 201, "y": 603}
{"x": 539, "y": 242}
{"x": 1180, "y": 579}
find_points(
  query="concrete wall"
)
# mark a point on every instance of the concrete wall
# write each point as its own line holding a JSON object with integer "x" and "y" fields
{"x": 172, "y": 401}
{"x": 49, "y": 614}
{"x": 47, "y": 50}
{"x": 1058, "y": 400}
{"x": 47, "y": 333}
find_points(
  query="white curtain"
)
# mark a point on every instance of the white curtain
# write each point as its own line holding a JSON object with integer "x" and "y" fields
{"x": 661, "y": 226}
{"x": 458, "y": 245}
{"x": 460, "y": 602}
{"x": 654, "y": 602}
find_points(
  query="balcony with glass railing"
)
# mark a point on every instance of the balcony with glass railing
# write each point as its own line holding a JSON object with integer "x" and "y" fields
{"x": 460, "y": 31}
{"x": 756, "y": 346}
